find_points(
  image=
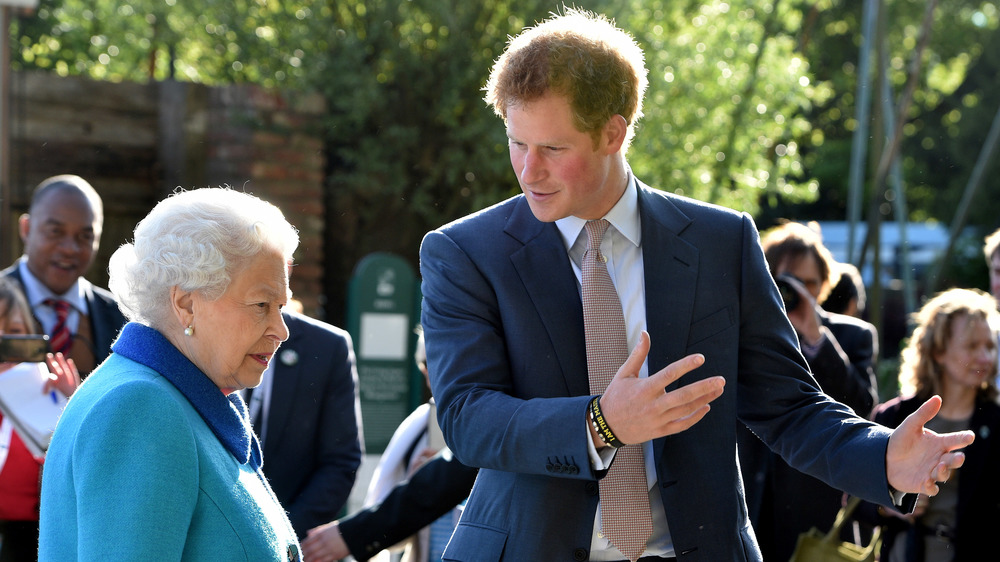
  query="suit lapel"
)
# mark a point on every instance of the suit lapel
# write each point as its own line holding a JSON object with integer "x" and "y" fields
{"x": 670, "y": 267}
{"x": 285, "y": 380}
{"x": 545, "y": 272}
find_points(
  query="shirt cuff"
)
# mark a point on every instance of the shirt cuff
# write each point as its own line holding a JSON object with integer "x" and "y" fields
{"x": 599, "y": 460}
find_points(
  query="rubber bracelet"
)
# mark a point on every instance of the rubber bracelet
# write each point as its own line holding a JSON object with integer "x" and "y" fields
{"x": 601, "y": 425}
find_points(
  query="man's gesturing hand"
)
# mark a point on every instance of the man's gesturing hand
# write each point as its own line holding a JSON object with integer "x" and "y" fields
{"x": 917, "y": 458}
{"x": 638, "y": 410}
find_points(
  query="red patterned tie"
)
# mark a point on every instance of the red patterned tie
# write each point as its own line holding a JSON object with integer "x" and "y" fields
{"x": 60, "y": 338}
{"x": 625, "y": 515}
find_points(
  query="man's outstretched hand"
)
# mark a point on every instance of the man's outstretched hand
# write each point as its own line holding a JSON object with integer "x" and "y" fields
{"x": 917, "y": 458}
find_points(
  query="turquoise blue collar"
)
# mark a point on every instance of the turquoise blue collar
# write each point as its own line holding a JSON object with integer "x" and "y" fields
{"x": 225, "y": 415}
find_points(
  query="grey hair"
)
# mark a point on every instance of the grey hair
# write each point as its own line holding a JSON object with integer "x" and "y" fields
{"x": 196, "y": 240}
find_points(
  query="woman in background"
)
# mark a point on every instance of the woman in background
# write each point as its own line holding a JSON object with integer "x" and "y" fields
{"x": 154, "y": 457}
{"x": 20, "y": 470}
{"x": 952, "y": 353}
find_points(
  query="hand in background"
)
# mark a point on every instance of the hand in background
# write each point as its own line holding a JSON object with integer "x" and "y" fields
{"x": 63, "y": 375}
{"x": 324, "y": 544}
{"x": 423, "y": 456}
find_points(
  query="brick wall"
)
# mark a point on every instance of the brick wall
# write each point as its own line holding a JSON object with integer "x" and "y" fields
{"x": 137, "y": 142}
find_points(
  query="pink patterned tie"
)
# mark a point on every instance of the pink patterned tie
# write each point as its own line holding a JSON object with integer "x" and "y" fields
{"x": 625, "y": 515}
{"x": 60, "y": 339}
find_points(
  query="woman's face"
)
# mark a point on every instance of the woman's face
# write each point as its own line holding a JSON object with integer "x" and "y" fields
{"x": 11, "y": 320}
{"x": 236, "y": 335}
{"x": 970, "y": 358}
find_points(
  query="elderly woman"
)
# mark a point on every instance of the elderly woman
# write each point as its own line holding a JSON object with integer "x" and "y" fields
{"x": 154, "y": 457}
{"x": 952, "y": 353}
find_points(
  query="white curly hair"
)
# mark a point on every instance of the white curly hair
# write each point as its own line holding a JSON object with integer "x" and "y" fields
{"x": 196, "y": 240}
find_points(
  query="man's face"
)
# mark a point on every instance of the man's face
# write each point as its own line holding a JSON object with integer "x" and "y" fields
{"x": 995, "y": 275}
{"x": 60, "y": 236}
{"x": 559, "y": 169}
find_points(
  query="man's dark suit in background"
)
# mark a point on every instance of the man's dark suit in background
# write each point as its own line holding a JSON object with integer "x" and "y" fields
{"x": 312, "y": 435}
{"x": 105, "y": 318}
{"x": 434, "y": 489}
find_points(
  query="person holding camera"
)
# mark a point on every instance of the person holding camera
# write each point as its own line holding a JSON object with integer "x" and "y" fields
{"x": 841, "y": 352}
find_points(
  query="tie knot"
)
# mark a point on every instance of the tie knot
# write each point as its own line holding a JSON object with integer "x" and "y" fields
{"x": 595, "y": 233}
{"x": 60, "y": 306}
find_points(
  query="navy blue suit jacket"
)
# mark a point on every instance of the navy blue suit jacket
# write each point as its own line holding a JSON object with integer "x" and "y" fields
{"x": 503, "y": 324}
{"x": 313, "y": 446}
{"x": 783, "y": 502}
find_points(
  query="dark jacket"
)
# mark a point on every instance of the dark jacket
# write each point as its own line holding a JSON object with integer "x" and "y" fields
{"x": 312, "y": 445}
{"x": 435, "y": 488}
{"x": 106, "y": 320}
{"x": 978, "y": 484}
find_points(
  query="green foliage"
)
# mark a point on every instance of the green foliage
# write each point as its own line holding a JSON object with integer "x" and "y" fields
{"x": 750, "y": 105}
{"x": 724, "y": 112}
{"x": 953, "y": 105}
{"x": 206, "y": 41}
{"x": 413, "y": 145}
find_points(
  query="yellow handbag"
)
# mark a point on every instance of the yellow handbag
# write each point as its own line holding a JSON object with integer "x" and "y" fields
{"x": 814, "y": 546}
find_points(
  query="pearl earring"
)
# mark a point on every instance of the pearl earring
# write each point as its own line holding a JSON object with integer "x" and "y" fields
{"x": 189, "y": 331}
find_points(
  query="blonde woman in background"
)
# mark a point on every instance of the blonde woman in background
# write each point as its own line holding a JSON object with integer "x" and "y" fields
{"x": 952, "y": 353}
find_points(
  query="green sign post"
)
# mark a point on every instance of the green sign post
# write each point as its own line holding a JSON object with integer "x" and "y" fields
{"x": 382, "y": 314}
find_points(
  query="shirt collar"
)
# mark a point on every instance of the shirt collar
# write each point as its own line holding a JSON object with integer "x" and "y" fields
{"x": 624, "y": 216}
{"x": 36, "y": 291}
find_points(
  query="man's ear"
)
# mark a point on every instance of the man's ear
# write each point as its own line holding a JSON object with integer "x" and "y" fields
{"x": 23, "y": 226}
{"x": 182, "y": 305}
{"x": 613, "y": 134}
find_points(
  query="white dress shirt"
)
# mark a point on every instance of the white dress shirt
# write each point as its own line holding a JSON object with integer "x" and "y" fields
{"x": 36, "y": 293}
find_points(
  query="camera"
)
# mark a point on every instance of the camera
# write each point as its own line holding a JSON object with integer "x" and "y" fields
{"x": 789, "y": 295}
{"x": 23, "y": 348}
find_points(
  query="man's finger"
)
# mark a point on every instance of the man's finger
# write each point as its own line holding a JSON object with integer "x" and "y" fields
{"x": 634, "y": 362}
{"x": 925, "y": 412}
{"x": 667, "y": 375}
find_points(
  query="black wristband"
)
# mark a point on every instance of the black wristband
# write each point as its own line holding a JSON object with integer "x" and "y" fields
{"x": 601, "y": 425}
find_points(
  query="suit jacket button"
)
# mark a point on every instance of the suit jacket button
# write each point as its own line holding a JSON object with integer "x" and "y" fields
{"x": 574, "y": 470}
{"x": 580, "y": 554}
{"x": 549, "y": 467}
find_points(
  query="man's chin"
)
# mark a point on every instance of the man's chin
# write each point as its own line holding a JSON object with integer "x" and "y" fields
{"x": 61, "y": 281}
{"x": 544, "y": 213}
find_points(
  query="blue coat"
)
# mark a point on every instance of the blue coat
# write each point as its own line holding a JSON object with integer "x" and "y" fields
{"x": 503, "y": 325}
{"x": 150, "y": 461}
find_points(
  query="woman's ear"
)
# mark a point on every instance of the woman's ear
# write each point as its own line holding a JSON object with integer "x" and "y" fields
{"x": 182, "y": 305}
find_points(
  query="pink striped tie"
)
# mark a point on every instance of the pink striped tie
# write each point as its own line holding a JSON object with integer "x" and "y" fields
{"x": 625, "y": 515}
{"x": 60, "y": 339}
